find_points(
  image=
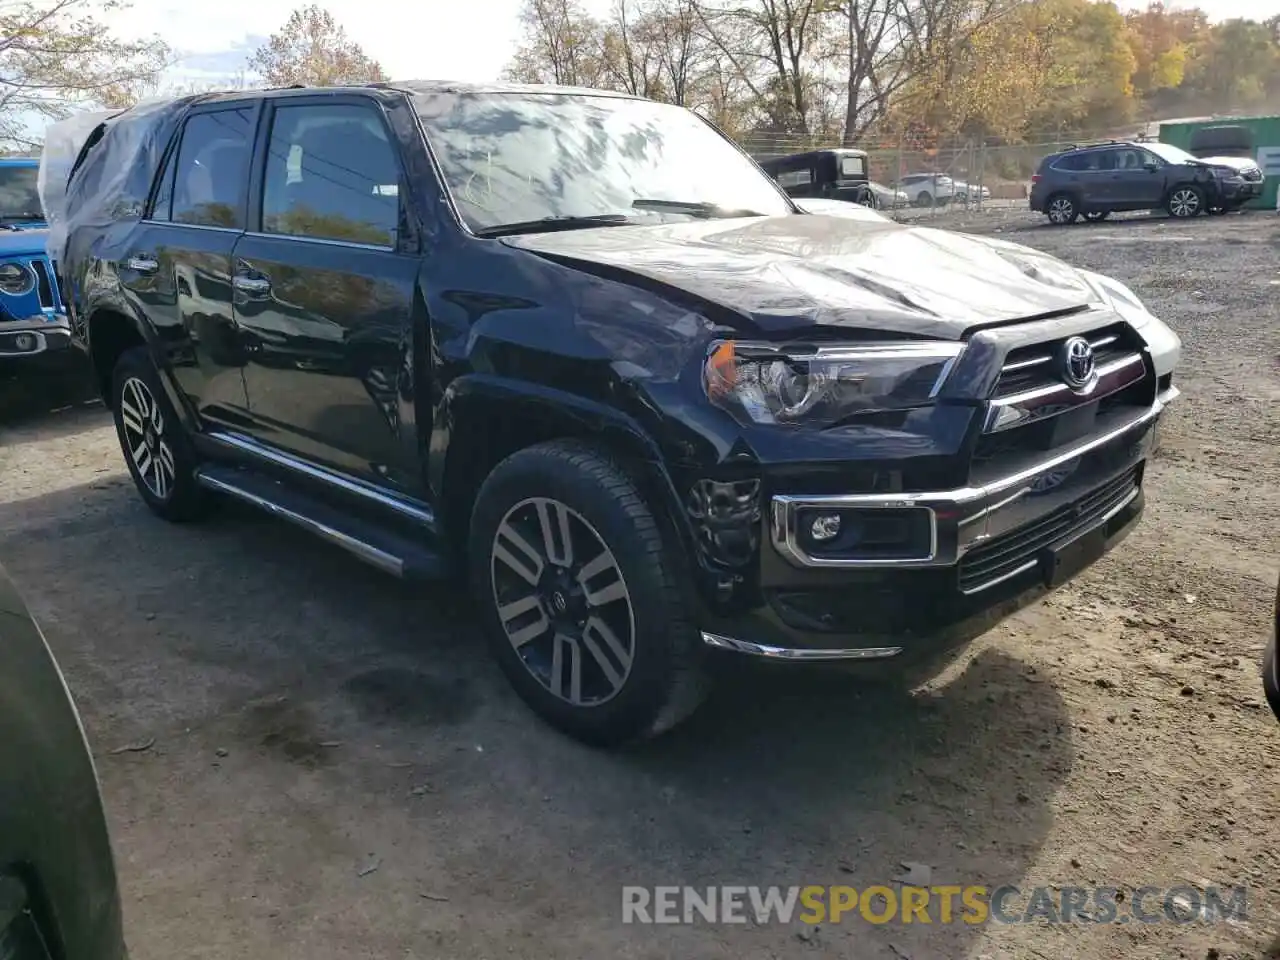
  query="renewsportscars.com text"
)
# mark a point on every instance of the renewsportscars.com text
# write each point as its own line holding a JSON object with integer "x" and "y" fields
{"x": 939, "y": 904}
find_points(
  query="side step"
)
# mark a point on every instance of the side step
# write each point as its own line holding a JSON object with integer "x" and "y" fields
{"x": 385, "y": 549}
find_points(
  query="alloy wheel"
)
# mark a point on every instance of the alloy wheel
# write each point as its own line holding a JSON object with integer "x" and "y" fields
{"x": 1061, "y": 210}
{"x": 563, "y": 601}
{"x": 145, "y": 442}
{"x": 1184, "y": 203}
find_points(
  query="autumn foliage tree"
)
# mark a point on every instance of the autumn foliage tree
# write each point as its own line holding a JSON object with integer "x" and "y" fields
{"x": 57, "y": 56}
{"x": 916, "y": 70}
{"x": 313, "y": 49}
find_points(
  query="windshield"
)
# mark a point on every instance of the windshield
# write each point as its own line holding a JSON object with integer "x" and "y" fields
{"x": 19, "y": 199}
{"x": 512, "y": 158}
{"x": 1170, "y": 154}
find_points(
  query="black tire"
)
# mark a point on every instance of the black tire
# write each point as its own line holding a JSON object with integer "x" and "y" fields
{"x": 1185, "y": 200}
{"x": 1271, "y": 676}
{"x": 924, "y": 199}
{"x": 661, "y": 680}
{"x": 1061, "y": 209}
{"x": 1095, "y": 216}
{"x": 140, "y": 406}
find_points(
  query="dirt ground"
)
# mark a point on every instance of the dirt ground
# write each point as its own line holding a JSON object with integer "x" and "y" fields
{"x": 338, "y": 770}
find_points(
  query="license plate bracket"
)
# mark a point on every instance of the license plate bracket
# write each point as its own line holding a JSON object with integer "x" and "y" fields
{"x": 1063, "y": 562}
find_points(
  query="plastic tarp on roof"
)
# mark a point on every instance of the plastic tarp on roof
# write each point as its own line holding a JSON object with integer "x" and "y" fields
{"x": 112, "y": 185}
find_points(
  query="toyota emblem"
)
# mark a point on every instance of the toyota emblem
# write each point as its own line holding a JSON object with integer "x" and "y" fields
{"x": 1078, "y": 371}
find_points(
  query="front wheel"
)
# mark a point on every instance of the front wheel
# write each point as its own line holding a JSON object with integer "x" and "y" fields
{"x": 581, "y": 598}
{"x": 925, "y": 199}
{"x": 156, "y": 448}
{"x": 1185, "y": 202}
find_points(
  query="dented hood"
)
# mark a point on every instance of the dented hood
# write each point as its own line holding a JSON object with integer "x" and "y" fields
{"x": 786, "y": 274}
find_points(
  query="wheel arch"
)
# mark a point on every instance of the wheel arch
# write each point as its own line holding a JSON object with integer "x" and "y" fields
{"x": 109, "y": 332}
{"x": 483, "y": 419}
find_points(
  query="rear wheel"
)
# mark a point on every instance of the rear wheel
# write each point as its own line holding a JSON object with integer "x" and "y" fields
{"x": 1061, "y": 210}
{"x": 1185, "y": 201}
{"x": 156, "y": 448}
{"x": 580, "y": 595}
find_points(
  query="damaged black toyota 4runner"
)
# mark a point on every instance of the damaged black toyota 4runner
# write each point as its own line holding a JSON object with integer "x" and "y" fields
{"x": 578, "y": 345}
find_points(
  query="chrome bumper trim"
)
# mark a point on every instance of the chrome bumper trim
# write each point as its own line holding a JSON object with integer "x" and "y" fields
{"x": 961, "y": 507}
{"x": 797, "y": 653}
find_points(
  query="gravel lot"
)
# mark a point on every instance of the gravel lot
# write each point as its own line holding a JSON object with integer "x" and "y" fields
{"x": 338, "y": 770}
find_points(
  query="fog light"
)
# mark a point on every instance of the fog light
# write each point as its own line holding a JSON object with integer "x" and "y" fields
{"x": 25, "y": 342}
{"x": 825, "y": 526}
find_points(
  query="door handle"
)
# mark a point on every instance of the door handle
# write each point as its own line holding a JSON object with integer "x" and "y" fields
{"x": 143, "y": 264}
{"x": 253, "y": 285}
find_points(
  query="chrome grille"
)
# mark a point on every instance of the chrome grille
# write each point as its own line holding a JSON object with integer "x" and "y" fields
{"x": 1032, "y": 367}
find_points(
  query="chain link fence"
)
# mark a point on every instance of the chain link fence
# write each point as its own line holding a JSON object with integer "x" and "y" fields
{"x": 960, "y": 175}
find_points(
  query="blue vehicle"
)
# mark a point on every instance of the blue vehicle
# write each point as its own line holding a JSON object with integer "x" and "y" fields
{"x": 35, "y": 334}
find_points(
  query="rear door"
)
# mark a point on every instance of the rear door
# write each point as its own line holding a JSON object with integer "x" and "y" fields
{"x": 324, "y": 285}
{"x": 178, "y": 263}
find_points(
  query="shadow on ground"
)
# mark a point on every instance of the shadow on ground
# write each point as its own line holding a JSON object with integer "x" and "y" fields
{"x": 310, "y": 714}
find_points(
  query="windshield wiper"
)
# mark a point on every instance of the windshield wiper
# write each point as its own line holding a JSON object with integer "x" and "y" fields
{"x": 695, "y": 208}
{"x": 548, "y": 224}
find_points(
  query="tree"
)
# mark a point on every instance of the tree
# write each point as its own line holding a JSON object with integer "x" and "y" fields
{"x": 562, "y": 44}
{"x": 56, "y": 57}
{"x": 313, "y": 49}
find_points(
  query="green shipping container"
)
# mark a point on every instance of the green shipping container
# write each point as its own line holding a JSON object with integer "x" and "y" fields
{"x": 1266, "y": 147}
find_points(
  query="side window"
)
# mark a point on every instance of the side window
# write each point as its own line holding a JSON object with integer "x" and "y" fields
{"x": 331, "y": 175}
{"x": 796, "y": 178}
{"x": 1129, "y": 159}
{"x": 1073, "y": 162}
{"x": 212, "y": 168}
{"x": 1104, "y": 160}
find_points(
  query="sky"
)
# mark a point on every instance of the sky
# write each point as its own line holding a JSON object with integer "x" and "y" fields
{"x": 469, "y": 41}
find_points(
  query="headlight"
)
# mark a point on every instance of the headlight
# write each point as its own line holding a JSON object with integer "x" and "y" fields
{"x": 1123, "y": 300}
{"x": 15, "y": 279}
{"x": 820, "y": 386}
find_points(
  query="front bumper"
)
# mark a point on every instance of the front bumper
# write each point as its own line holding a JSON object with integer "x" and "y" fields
{"x": 1240, "y": 191}
{"x": 37, "y": 342}
{"x": 992, "y": 548}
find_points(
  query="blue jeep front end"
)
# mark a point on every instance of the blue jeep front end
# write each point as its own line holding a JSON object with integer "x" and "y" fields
{"x": 35, "y": 334}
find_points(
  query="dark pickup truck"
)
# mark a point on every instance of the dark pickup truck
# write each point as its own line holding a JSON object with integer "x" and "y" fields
{"x": 577, "y": 346}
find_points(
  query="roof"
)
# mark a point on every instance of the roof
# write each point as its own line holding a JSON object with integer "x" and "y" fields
{"x": 546, "y": 89}
{"x": 821, "y": 151}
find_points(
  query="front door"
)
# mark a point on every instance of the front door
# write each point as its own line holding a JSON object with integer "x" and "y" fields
{"x": 324, "y": 290}
{"x": 178, "y": 264}
{"x": 1138, "y": 186}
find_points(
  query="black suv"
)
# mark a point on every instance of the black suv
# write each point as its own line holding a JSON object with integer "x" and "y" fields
{"x": 832, "y": 174}
{"x": 1098, "y": 180}
{"x": 580, "y": 347}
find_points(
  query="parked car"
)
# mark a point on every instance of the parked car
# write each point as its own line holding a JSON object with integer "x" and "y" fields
{"x": 928, "y": 189}
{"x": 652, "y": 409}
{"x": 1097, "y": 180}
{"x": 836, "y": 174}
{"x": 1271, "y": 663}
{"x": 886, "y": 198}
{"x": 58, "y": 890}
{"x": 35, "y": 336}
{"x": 970, "y": 193}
